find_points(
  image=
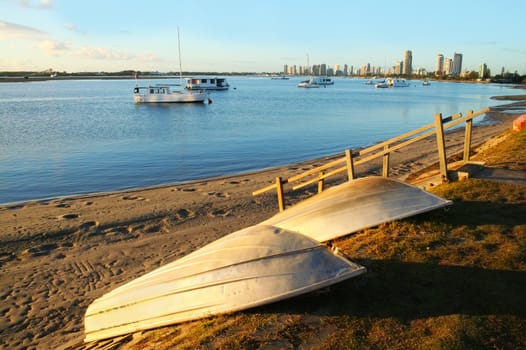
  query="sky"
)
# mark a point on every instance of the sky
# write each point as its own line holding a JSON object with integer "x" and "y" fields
{"x": 257, "y": 36}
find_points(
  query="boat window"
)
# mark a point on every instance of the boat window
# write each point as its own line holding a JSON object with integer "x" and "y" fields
{"x": 151, "y": 91}
{"x": 212, "y": 81}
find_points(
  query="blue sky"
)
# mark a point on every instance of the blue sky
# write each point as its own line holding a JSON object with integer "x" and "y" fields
{"x": 257, "y": 36}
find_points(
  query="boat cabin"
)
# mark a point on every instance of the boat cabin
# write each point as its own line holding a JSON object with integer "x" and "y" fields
{"x": 207, "y": 84}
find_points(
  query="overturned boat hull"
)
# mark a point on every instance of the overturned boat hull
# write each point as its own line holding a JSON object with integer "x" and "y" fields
{"x": 251, "y": 267}
{"x": 355, "y": 205}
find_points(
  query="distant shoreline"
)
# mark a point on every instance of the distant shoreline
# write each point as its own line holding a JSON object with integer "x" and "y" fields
{"x": 30, "y": 79}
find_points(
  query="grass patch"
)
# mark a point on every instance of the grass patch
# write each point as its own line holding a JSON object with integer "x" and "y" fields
{"x": 448, "y": 279}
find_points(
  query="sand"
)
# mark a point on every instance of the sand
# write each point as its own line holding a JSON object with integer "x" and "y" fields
{"x": 58, "y": 255}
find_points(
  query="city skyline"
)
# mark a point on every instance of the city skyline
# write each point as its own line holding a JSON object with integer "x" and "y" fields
{"x": 236, "y": 36}
{"x": 443, "y": 67}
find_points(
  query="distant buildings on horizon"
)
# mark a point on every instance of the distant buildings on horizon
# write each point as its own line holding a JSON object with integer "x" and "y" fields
{"x": 445, "y": 67}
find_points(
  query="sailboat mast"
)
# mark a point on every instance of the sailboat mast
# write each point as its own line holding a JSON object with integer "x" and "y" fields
{"x": 180, "y": 64}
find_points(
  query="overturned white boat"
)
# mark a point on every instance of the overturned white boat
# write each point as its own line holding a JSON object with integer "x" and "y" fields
{"x": 355, "y": 205}
{"x": 251, "y": 267}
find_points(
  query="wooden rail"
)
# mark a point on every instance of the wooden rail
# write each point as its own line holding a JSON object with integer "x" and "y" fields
{"x": 382, "y": 149}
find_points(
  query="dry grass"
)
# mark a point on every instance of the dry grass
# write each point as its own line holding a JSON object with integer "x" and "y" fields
{"x": 449, "y": 279}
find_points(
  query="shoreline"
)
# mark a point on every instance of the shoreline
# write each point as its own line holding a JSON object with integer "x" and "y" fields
{"x": 58, "y": 255}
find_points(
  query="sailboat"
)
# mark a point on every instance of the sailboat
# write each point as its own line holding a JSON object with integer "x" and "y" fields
{"x": 162, "y": 93}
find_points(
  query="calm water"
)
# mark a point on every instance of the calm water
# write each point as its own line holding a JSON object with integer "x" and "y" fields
{"x": 60, "y": 138}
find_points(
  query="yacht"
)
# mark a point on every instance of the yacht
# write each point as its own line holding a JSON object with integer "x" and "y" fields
{"x": 164, "y": 94}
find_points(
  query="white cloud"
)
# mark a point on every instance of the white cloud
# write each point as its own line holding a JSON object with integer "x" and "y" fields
{"x": 102, "y": 53}
{"x": 73, "y": 28}
{"x": 53, "y": 47}
{"x": 9, "y": 31}
{"x": 38, "y": 4}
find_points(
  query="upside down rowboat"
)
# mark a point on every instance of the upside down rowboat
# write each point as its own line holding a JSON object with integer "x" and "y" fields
{"x": 356, "y": 205}
{"x": 251, "y": 267}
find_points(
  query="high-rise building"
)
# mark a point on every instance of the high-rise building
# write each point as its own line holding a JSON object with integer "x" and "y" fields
{"x": 323, "y": 69}
{"x": 439, "y": 69}
{"x": 448, "y": 66}
{"x": 457, "y": 64}
{"x": 483, "y": 71}
{"x": 285, "y": 69}
{"x": 398, "y": 67}
{"x": 408, "y": 63}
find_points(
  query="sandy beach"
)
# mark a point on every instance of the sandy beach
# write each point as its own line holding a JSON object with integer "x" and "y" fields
{"x": 59, "y": 255}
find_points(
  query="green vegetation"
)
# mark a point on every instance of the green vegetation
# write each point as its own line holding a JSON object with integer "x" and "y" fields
{"x": 449, "y": 279}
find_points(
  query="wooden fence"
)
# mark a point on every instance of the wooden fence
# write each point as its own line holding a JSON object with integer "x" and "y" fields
{"x": 382, "y": 149}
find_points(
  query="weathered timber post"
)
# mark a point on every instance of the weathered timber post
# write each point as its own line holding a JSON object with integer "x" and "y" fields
{"x": 467, "y": 135}
{"x": 441, "y": 145}
{"x": 385, "y": 168}
{"x": 279, "y": 191}
{"x": 350, "y": 164}
{"x": 320, "y": 182}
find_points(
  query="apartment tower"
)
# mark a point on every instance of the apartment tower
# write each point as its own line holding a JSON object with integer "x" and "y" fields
{"x": 408, "y": 63}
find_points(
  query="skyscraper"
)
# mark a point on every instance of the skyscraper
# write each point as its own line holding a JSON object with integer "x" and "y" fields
{"x": 408, "y": 63}
{"x": 457, "y": 64}
{"x": 439, "y": 69}
{"x": 448, "y": 66}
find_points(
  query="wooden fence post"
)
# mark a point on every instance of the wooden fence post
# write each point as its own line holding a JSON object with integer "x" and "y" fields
{"x": 467, "y": 136}
{"x": 279, "y": 190}
{"x": 441, "y": 145}
{"x": 350, "y": 164}
{"x": 385, "y": 168}
{"x": 320, "y": 182}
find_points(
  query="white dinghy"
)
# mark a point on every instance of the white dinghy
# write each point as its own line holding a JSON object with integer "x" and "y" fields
{"x": 355, "y": 205}
{"x": 251, "y": 267}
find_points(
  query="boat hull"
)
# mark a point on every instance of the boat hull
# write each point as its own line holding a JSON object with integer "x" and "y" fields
{"x": 251, "y": 267}
{"x": 172, "y": 97}
{"x": 355, "y": 205}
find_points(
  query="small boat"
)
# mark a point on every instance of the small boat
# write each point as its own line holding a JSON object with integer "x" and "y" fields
{"x": 164, "y": 94}
{"x": 308, "y": 84}
{"x": 207, "y": 84}
{"x": 279, "y": 77}
{"x": 315, "y": 82}
{"x": 426, "y": 83}
{"x": 381, "y": 85}
{"x": 394, "y": 82}
{"x": 323, "y": 81}
{"x": 354, "y": 206}
{"x": 248, "y": 268}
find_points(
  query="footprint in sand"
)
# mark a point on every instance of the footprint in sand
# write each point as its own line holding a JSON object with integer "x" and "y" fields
{"x": 69, "y": 216}
{"x": 219, "y": 212}
{"x": 41, "y": 250}
{"x": 133, "y": 198}
{"x": 85, "y": 226}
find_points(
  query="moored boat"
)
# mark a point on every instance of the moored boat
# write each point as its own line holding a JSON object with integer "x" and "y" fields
{"x": 395, "y": 82}
{"x": 164, "y": 94}
{"x": 308, "y": 84}
{"x": 207, "y": 84}
{"x": 314, "y": 82}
